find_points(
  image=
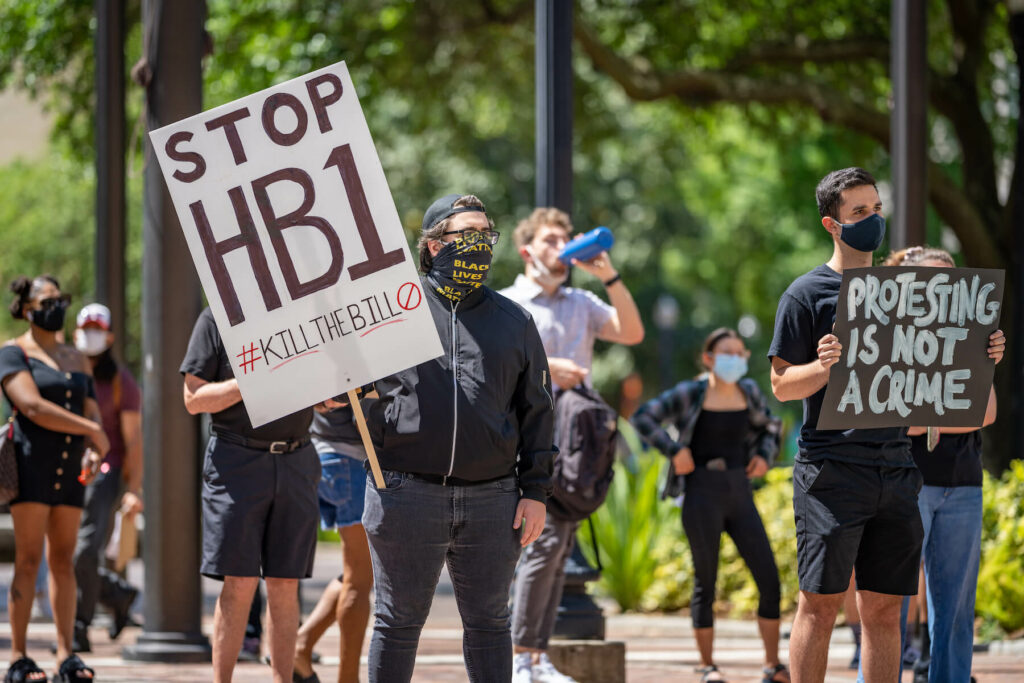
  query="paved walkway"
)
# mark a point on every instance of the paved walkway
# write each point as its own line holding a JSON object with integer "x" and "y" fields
{"x": 658, "y": 647}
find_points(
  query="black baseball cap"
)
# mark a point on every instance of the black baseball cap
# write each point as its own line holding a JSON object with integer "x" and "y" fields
{"x": 443, "y": 208}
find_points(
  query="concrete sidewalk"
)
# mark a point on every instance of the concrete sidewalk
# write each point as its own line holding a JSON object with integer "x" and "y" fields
{"x": 658, "y": 647}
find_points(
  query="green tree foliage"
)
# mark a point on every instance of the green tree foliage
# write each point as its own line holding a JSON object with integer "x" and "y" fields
{"x": 701, "y": 126}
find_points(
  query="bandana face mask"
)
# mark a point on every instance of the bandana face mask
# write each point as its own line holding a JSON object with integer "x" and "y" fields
{"x": 461, "y": 266}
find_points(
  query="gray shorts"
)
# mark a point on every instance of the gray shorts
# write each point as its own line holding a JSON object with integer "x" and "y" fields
{"x": 260, "y": 512}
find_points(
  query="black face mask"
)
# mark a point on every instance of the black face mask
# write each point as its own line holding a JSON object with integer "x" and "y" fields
{"x": 864, "y": 235}
{"x": 49, "y": 318}
{"x": 461, "y": 266}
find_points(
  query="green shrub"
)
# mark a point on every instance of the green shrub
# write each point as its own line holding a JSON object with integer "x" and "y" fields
{"x": 1000, "y": 586}
{"x": 629, "y": 524}
{"x": 665, "y": 580}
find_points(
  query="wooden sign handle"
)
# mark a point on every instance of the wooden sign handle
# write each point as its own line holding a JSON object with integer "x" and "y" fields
{"x": 357, "y": 410}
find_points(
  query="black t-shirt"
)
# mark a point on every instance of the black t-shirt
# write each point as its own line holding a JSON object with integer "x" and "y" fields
{"x": 956, "y": 460}
{"x": 721, "y": 434}
{"x": 338, "y": 425}
{"x": 807, "y": 311}
{"x": 207, "y": 359}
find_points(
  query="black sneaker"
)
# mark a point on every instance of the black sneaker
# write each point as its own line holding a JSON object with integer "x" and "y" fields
{"x": 120, "y": 611}
{"x": 80, "y": 640}
{"x": 855, "y": 662}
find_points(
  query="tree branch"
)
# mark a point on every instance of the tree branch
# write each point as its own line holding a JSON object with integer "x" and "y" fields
{"x": 806, "y": 51}
{"x": 704, "y": 87}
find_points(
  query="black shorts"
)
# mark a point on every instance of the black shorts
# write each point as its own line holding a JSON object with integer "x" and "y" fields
{"x": 260, "y": 512}
{"x": 857, "y": 516}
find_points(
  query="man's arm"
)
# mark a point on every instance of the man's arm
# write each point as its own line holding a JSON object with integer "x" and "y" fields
{"x": 624, "y": 326}
{"x": 209, "y": 397}
{"x": 796, "y": 382}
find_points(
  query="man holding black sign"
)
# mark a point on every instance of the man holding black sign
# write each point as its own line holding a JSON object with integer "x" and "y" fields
{"x": 854, "y": 490}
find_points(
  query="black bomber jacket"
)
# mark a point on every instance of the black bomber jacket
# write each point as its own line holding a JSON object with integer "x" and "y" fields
{"x": 480, "y": 411}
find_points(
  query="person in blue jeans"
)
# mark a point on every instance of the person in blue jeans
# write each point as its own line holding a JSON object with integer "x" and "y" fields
{"x": 950, "y": 505}
{"x": 465, "y": 442}
{"x": 346, "y": 599}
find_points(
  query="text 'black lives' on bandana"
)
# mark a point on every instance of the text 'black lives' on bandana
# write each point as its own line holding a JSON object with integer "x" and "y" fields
{"x": 461, "y": 266}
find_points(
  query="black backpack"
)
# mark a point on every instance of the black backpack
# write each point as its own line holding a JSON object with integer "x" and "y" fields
{"x": 586, "y": 433}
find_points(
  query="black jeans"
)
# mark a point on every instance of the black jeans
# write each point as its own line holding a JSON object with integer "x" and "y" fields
{"x": 718, "y": 501}
{"x": 96, "y": 583}
{"x": 414, "y": 528}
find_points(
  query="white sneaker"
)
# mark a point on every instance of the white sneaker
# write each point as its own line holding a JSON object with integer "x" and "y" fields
{"x": 522, "y": 669}
{"x": 545, "y": 672}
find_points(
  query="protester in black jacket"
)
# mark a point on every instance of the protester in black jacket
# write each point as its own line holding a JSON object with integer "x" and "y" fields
{"x": 465, "y": 444}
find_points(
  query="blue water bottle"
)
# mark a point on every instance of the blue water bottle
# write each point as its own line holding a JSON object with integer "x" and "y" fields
{"x": 587, "y": 245}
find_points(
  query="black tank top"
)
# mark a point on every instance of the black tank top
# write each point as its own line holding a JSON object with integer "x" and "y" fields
{"x": 721, "y": 434}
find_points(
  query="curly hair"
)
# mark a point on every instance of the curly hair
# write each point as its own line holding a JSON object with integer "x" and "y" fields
{"x": 542, "y": 216}
{"x": 912, "y": 256}
{"x": 24, "y": 289}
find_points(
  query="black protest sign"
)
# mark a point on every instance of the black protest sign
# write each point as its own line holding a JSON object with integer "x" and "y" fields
{"x": 915, "y": 347}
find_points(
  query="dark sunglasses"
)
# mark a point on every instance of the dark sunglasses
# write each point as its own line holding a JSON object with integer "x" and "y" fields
{"x": 62, "y": 301}
{"x": 473, "y": 236}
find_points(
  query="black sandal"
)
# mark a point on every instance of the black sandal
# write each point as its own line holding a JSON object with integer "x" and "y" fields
{"x": 706, "y": 671}
{"x": 74, "y": 669}
{"x": 20, "y": 671}
{"x": 771, "y": 672}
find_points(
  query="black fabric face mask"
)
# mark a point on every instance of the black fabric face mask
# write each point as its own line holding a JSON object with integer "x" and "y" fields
{"x": 864, "y": 235}
{"x": 461, "y": 266}
{"x": 49, "y": 318}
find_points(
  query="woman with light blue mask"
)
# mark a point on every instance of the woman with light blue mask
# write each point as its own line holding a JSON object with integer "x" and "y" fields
{"x": 725, "y": 436}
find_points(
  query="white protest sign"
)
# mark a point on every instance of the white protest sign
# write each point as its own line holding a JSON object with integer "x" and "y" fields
{"x": 299, "y": 248}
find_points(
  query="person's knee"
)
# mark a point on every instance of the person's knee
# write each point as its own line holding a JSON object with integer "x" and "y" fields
{"x": 27, "y": 561}
{"x": 281, "y": 588}
{"x": 820, "y": 607}
{"x": 61, "y": 566}
{"x": 239, "y": 587}
{"x": 881, "y": 611}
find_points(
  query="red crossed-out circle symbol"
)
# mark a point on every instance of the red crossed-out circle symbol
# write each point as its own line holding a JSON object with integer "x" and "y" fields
{"x": 409, "y": 296}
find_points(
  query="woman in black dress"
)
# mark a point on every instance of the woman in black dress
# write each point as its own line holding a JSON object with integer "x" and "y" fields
{"x": 60, "y": 444}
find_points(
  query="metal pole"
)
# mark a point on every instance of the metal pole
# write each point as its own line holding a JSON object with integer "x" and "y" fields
{"x": 554, "y": 103}
{"x": 1014, "y": 370}
{"x": 173, "y": 43}
{"x": 110, "y": 149}
{"x": 579, "y": 617}
{"x": 909, "y": 122}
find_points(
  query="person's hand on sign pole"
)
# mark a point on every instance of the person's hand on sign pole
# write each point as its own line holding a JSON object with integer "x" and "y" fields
{"x": 530, "y": 515}
{"x": 682, "y": 462}
{"x": 757, "y": 467}
{"x": 996, "y": 345}
{"x": 327, "y": 405}
{"x": 830, "y": 351}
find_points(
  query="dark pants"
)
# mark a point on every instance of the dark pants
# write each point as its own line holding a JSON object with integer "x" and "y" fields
{"x": 414, "y": 528}
{"x": 539, "y": 583}
{"x": 716, "y": 502}
{"x": 96, "y": 583}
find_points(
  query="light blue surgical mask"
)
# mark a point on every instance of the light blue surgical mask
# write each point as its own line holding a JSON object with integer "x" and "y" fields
{"x": 729, "y": 368}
